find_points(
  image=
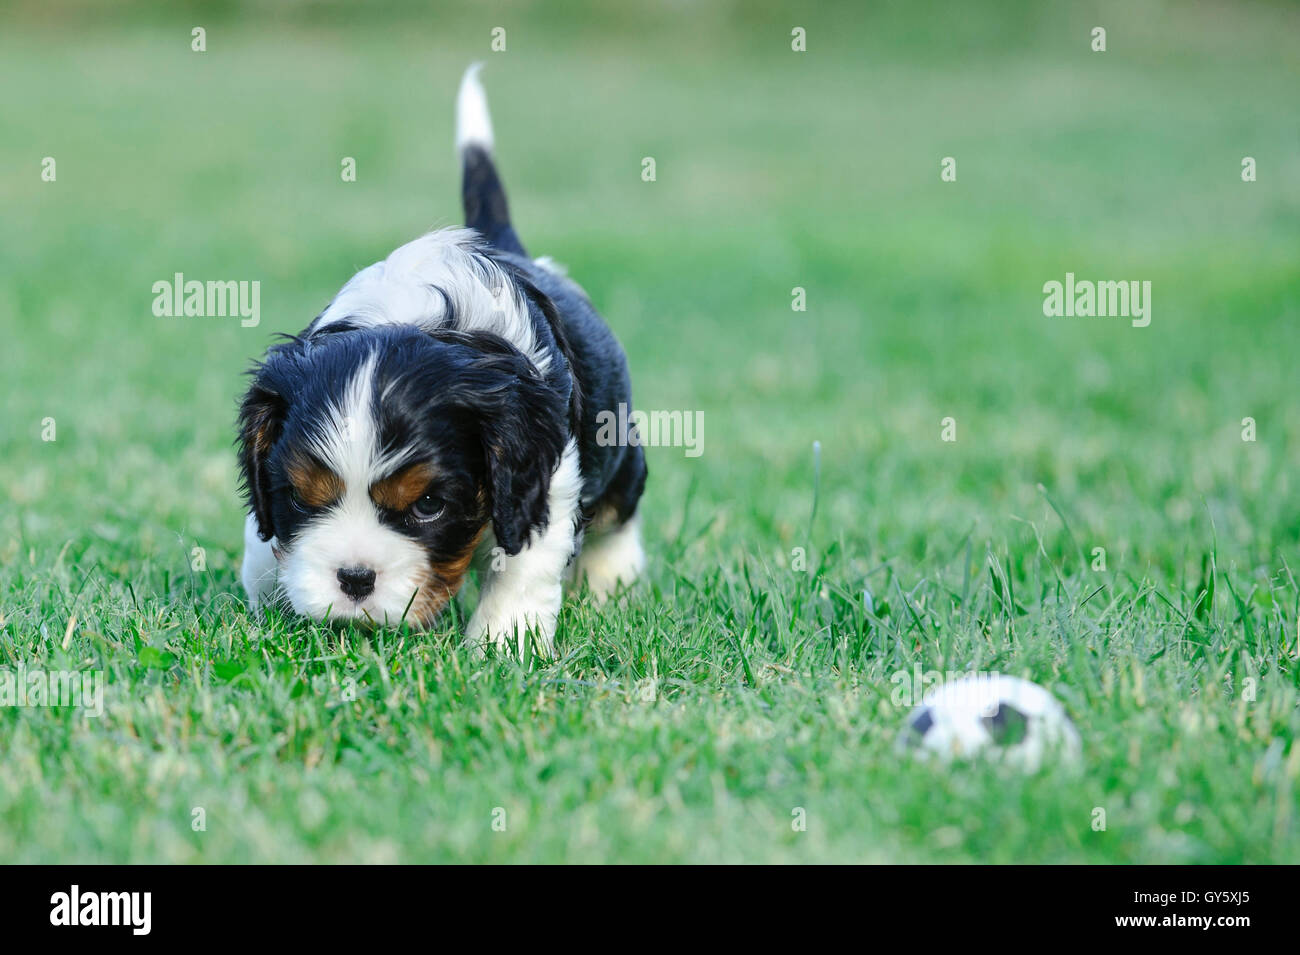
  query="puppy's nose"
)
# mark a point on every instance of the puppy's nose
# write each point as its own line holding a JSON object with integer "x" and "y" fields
{"x": 357, "y": 582}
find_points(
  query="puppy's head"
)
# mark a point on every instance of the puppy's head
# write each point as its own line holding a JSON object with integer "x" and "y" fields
{"x": 377, "y": 458}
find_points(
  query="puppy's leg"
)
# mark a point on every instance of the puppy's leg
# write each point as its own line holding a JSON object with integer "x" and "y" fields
{"x": 524, "y": 592}
{"x": 611, "y": 558}
{"x": 258, "y": 573}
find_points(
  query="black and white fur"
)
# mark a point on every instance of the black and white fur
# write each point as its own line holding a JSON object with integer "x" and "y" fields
{"x": 461, "y": 360}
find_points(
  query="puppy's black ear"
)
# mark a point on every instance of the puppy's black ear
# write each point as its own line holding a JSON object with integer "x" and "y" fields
{"x": 261, "y": 417}
{"x": 523, "y": 423}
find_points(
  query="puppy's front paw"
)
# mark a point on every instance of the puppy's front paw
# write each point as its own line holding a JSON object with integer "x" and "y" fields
{"x": 258, "y": 573}
{"x": 513, "y": 630}
{"x": 611, "y": 560}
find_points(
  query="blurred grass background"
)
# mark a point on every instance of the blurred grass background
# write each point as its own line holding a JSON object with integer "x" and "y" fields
{"x": 774, "y": 170}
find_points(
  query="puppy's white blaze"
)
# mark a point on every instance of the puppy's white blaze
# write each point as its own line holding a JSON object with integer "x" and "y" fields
{"x": 350, "y": 533}
{"x": 347, "y": 441}
{"x": 528, "y": 589}
{"x": 473, "y": 123}
{"x": 414, "y": 285}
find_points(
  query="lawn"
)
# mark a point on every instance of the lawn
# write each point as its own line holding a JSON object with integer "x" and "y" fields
{"x": 737, "y": 707}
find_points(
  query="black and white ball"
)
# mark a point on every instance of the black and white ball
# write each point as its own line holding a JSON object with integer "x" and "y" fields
{"x": 993, "y": 715}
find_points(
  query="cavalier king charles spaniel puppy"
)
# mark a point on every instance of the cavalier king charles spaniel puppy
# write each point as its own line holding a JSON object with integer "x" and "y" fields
{"x": 439, "y": 414}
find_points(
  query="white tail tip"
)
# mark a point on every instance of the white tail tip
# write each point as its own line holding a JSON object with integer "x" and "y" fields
{"x": 473, "y": 124}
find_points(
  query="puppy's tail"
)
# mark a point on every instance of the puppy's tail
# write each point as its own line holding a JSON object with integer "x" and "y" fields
{"x": 481, "y": 190}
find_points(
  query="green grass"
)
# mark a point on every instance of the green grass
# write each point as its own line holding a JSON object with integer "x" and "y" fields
{"x": 690, "y": 723}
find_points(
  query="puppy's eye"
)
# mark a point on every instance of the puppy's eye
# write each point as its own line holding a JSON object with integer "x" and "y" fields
{"x": 428, "y": 508}
{"x": 296, "y": 499}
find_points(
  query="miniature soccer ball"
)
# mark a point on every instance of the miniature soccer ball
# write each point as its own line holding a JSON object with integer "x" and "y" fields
{"x": 1001, "y": 716}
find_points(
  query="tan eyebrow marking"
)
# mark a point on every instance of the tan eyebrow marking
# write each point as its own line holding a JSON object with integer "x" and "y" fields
{"x": 399, "y": 491}
{"x": 316, "y": 484}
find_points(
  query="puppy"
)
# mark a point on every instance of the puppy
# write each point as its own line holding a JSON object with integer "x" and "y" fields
{"x": 441, "y": 412}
